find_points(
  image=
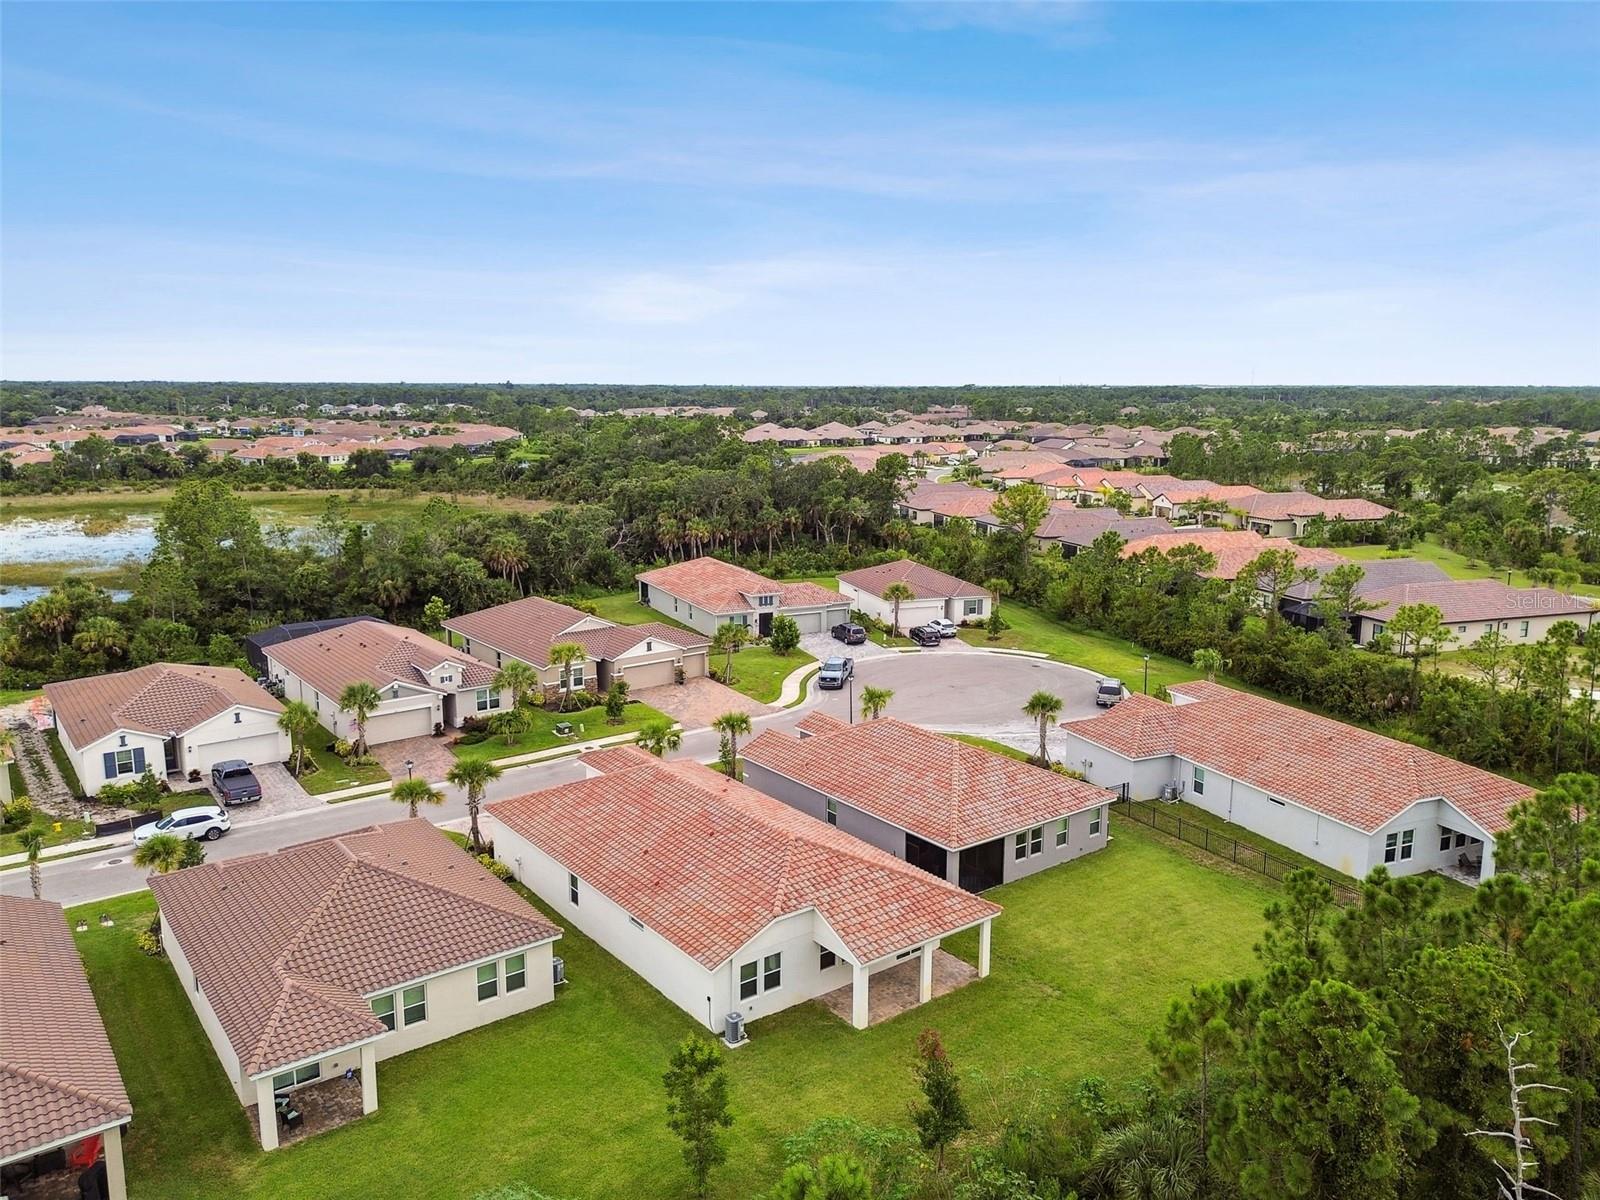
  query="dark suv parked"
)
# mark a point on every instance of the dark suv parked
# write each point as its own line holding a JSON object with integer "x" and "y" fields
{"x": 850, "y": 634}
{"x": 927, "y": 635}
{"x": 235, "y": 782}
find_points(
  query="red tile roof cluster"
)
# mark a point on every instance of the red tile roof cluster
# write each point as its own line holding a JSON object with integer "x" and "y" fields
{"x": 1081, "y": 526}
{"x": 1349, "y": 774}
{"x": 1280, "y": 506}
{"x": 1460, "y": 600}
{"x": 940, "y": 789}
{"x": 160, "y": 698}
{"x": 288, "y": 945}
{"x": 58, "y": 1076}
{"x": 715, "y": 586}
{"x": 925, "y": 582}
{"x": 372, "y": 652}
{"x": 1191, "y": 491}
{"x": 527, "y": 628}
{"x": 707, "y": 863}
{"x": 1232, "y": 548}
{"x": 951, "y": 499}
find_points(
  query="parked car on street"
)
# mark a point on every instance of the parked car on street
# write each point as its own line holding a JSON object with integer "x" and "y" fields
{"x": 834, "y": 673}
{"x": 927, "y": 635}
{"x": 203, "y": 821}
{"x": 1108, "y": 693}
{"x": 235, "y": 782}
{"x": 945, "y": 626}
{"x": 849, "y": 633}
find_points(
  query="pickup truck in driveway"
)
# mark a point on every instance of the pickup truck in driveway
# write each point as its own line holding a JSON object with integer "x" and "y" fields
{"x": 235, "y": 782}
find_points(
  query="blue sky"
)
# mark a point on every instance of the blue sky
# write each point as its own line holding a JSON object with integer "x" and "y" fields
{"x": 769, "y": 193}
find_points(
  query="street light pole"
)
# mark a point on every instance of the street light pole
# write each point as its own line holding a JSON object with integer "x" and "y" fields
{"x": 1146, "y": 674}
{"x": 409, "y": 765}
{"x": 852, "y": 684}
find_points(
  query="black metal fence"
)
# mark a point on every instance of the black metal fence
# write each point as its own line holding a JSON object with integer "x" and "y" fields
{"x": 1242, "y": 854}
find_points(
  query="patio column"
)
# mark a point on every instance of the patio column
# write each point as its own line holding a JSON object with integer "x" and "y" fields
{"x": 858, "y": 995}
{"x": 266, "y": 1113}
{"x": 984, "y": 940}
{"x": 369, "y": 1078}
{"x": 116, "y": 1176}
{"x": 925, "y": 983}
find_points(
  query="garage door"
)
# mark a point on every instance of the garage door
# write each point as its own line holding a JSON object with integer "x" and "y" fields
{"x": 694, "y": 665}
{"x": 263, "y": 748}
{"x": 809, "y": 622}
{"x": 648, "y": 675}
{"x": 391, "y": 727}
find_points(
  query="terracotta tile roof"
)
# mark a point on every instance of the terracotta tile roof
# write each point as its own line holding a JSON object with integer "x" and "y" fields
{"x": 707, "y": 863}
{"x": 615, "y": 758}
{"x": 1196, "y": 490}
{"x": 1352, "y": 775}
{"x": 925, "y": 582}
{"x": 951, "y": 499}
{"x": 835, "y": 429}
{"x": 1377, "y": 573}
{"x": 1277, "y": 506}
{"x": 527, "y": 628}
{"x": 159, "y": 698}
{"x": 861, "y": 458}
{"x": 372, "y": 652}
{"x": 58, "y": 1076}
{"x": 1232, "y": 548}
{"x": 817, "y": 721}
{"x": 1475, "y": 600}
{"x": 288, "y": 945}
{"x": 940, "y": 789}
{"x": 715, "y": 586}
{"x": 1080, "y": 526}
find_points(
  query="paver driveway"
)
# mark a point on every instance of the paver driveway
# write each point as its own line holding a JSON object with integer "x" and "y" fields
{"x": 695, "y": 703}
{"x": 430, "y": 757}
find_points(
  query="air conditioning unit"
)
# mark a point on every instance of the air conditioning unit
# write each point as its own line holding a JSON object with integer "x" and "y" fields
{"x": 1171, "y": 793}
{"x": 558, "y": 968}
{"x": 734, "y": 1033}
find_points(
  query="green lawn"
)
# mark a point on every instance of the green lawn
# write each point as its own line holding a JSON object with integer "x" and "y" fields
{"x": 1098, "y": 652}
{"x": 542, "y": 735}
{"x": 10, "y": 696}
{"x": 58, "y": 753}
{"x": 333, "y": 773}
{"x": 759, "y": 673}
{"x": 1201, "y": 819}
{"x": 55, "y": 832}
{"x": 568, "y": 1098}
{"x": 990, "y": 744}
{"x": 1453, "y": 564}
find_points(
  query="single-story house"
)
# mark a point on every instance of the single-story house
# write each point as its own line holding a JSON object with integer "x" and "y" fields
{"x": 706, "y": 592}
{"x": 62, "y": 1102}
{"x": 723, "y": 899}
{"x": 1195, "y": 496}
{"x": 323, "y": 958}
{"x": 1473, "y": 607}
{"x": 168, "y": 718}
{"x": 422, "y": 682}
{"x": 1346, "y": 797}
{"x": 1299, "y": 603}
{"x": 934, "y": 594}
{"x": 835, "y": 433}
{"x": 646, "y": 655}
{"x": 1070, "y": 528}
{"x": 1286, "y": 514}
{"x": 965, "y": 814}
{"x": 255, "y": 644}
{"x": 1233, "y": 549}
{"x": 782, "y": 435}
{"x": 930, "y": 503}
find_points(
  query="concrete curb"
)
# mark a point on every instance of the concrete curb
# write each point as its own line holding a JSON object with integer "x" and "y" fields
{"x": 67, "y": 850}
{"x": 794, "y": 685}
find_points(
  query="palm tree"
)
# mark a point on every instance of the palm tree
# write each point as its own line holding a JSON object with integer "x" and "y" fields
{"x": 516, "y": 677}
{"x": 163, "y": 854}
{"x": 733, "y": 726}
{"x": 33, "y": 841}
{"x": 103, "y": 636}
{"x": 474, "y": 775}
{"x": 660, "y": 736}
{"x": 391, "y": 593}
{"x": 52, "y": 612}
{"x": 727, "y": 639}
{"x": 896, "y": 593}
{"x": 298, "y": 721}
{"x": 874, "y": 700}
{"x": 996, "y": 588}
{"x": 507, "y": 556}
{"x": 563, "y": 655}
{"x": 415, "y": 792}
{"x": 360, "y": 700}
{"x": 510, "y": 724}
{"x": 1044, "y": 708}
{"x": 1160, "y": 1159}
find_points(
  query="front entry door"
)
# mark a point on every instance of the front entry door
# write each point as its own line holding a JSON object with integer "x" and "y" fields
{"x": 171, "y": 747}
{"x": 764, "y": 625}
{"x": 984, "y": 866}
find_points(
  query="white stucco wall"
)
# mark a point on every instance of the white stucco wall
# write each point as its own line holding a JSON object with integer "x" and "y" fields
{"x": 254, "y": 737}
{"x": 912, "y": 612}
{"x": 454, "y": 1007}
{"x": 667, "y": 604}
{"x": 1519, "y": 631}
{"x": 411, "y": 700}
{"x": 89, "y": 762}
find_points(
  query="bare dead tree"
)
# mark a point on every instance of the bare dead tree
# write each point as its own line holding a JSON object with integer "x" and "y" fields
{"x": 1515, "y": 1185}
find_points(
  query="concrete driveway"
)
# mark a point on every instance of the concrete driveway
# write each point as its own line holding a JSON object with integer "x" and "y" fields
{"x": 822, "y": 645}
{"x": 970, "y": 691}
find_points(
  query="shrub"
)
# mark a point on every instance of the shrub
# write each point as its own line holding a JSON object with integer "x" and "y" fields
{"x": 494, "y": 866}
{"x": 475, "y": 725}
{"x": 343, "y": 749}
{"x": 785, "y": 635}
{"x": 143, "y": 793}
{"x": 17, "y": 813}
{"x": 149, "y": 943}
{"x": 476, "y": 737}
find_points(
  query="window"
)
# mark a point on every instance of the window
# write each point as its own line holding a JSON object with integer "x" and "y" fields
{"x": 1036, "y": 840}
{"x": 488, "y": 981}
{"x": 124, "y": 762}
{"x": 1524, "y": 629}
{"x": 766, "y": 601}
{"x": 1377, "y": 628}
{"x": 1445, "y": 837}
{"x": 826, "y": 959}
{"x": 1398, "y": 845}
{"x": 383, "y": 1009}
{"x": 635, "y": 922}
{"x": 1199, "y": 781}
{"x": 1094, "y": 823}
{"x": 572, "y": 887}
{"x": 451, "y": 678}
{"x": 747, "y": 980}
{"x": 575, "y": 678}
{"x": 296, "y": 1077}
{"x": 486, "y": 699}
{"x": 414, "y": 1004}
{"x": 1406, "y": 837}
{"x": 971, "y": 608}
{"x": 1461, "y": 839}
{"x": 1022, "y": 847}
{"x": 1461, "y": 628}
{"x": 394, "y": 692}
{"x": 516, "y": 972}
{"x": 771, "y": 972}
{"x": 833, "y": 811}
{"x": 238, "y": 717}
{"x": 1062, "y": 830}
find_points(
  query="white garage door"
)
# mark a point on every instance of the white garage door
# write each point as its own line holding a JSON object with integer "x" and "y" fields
{"x": 391, "y": 727}
{"x": 809, "y": 622}
{"x": 648, "y": 675}
{"x": 263, "y": 748}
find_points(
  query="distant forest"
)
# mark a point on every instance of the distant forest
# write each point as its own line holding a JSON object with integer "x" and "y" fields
{"x": 1290, "y": 411}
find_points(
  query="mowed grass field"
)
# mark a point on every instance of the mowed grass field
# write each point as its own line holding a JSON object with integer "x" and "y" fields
{"x": 568, "y": 1098}
{"x": 1453, "y": 564}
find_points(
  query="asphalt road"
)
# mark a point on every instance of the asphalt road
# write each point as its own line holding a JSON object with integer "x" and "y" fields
{"x": 948, "y": 689}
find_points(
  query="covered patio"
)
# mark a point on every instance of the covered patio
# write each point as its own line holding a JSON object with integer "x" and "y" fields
{"x": 913, "y": 977}
{"x": 314, "y": 1108}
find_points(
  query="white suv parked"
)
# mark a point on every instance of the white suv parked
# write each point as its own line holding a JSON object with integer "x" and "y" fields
{"x": 206, "y": 821}
{"x": 945, "y": 626}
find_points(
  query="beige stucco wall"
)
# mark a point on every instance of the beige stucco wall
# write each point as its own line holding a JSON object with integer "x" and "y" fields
{"x": 1519, "y": 630}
